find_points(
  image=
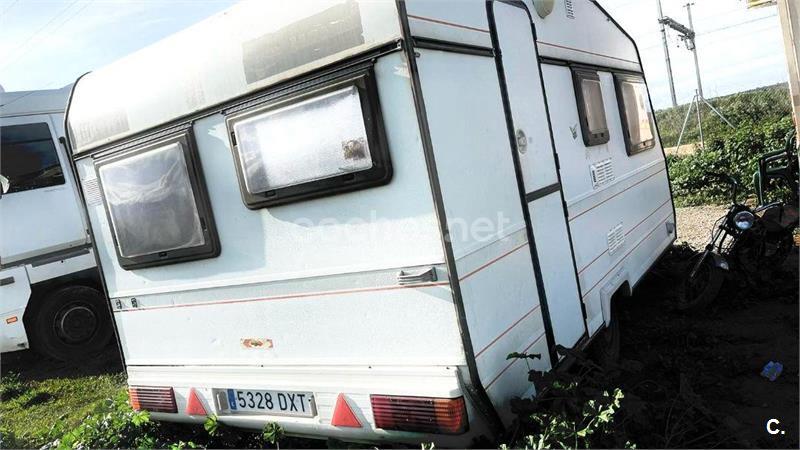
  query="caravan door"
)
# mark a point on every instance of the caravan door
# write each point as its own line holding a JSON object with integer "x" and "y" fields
{"x": 39, "y": 212}
{"x": 526, "y": 98}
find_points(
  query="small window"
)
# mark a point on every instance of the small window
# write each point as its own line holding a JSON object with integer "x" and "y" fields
{"x": 591, "y": 110}
{"x": 635, "y": 112}
{"x": 157, "y": 204}
{"x": 319, "y": 143}
{"x": 28, "y": 158}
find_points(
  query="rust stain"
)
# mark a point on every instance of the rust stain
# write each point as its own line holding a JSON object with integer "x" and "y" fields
{"x": 257, "y": 343}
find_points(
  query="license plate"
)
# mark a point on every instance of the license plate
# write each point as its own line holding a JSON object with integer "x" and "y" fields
{"x": 284, "y": 403}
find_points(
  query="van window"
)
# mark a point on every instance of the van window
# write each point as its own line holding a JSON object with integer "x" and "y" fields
{"x": 591, "y": 110}
{"x": 326, "y": 141}
{"x": 28, "y": 158}
{"x": 156, "y": 205}
{"x": 635, "y": 112}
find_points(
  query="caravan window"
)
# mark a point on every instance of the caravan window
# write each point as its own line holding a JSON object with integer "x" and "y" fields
{"x": 591, "y": 109}
{"x": 635, "y": 112}
{"x": 28, "y": 158}
{"x": 157, "y": 205}
{"x": 317, "y": 143}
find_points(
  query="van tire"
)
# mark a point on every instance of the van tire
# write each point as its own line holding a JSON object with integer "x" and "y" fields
{"x": 606, "y": 347}
{"x": 71, "y": 323}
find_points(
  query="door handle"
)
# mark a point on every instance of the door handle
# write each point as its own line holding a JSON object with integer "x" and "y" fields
{"x": 522, "y": 141}
{"x": 6, "y": 281}
{"x": 425, "y": 276}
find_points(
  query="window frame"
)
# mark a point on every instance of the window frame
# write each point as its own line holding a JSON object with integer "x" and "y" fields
{"x": 590, "y": 139}
{"x": 52, "y": 140}
{"x": 379, "y": 174}
{"x": 211, "y": 248}
{"x": 650, "y": 144}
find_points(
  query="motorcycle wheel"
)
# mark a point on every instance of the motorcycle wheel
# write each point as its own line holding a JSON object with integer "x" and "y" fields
{"x": 701, "y": 290}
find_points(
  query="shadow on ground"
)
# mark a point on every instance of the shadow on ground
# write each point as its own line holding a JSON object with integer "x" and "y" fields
{"x": 31, "y": 366}
{"x": 695, "y": 378}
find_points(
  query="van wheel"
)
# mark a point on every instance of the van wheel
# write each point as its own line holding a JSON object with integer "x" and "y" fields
{"x": 606, "y": 348}
{"x": 71, "y": 323}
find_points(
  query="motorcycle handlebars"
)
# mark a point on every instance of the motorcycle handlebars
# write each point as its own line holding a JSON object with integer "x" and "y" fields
{"x": 728, "y": 179}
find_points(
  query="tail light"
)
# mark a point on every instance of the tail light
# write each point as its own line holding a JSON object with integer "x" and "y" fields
{"x": 155, "y": 399}
{"x": 422, "y": 414}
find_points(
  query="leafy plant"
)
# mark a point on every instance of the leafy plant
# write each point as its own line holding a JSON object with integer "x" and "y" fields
{"x": 571, "y": 409}
{"x": 734, "y": 153}
{"x": 273, "y": 433}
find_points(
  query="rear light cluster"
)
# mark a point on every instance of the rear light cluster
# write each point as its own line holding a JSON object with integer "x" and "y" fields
{"x": 422, "y": 414}
{"x": 155, "y": 399}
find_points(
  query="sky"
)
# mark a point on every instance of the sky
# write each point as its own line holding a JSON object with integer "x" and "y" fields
{"x": 46, "y": 44}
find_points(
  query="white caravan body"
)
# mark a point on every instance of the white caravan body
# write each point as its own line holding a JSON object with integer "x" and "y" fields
{"x": 44, "y": 243}
{"x": 385, "y": 200}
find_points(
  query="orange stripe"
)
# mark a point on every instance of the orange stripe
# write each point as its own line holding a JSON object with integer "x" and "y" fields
{"x": 618, "y": 193}
{"x": 288, "y": 297}
{"x": 512, "y": 362}
{"x": 626, "y": 255}
{"x": 324, "y": 293}
{"x": 626, "y": 234}
{"x": 493, "y": 261}
{"x": 450, "y": 24}
{"x": 587, "y": 52}
{"x": 507, "y": 330}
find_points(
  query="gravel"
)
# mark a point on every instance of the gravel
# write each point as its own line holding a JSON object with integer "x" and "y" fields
{"x": 695, "y": 223}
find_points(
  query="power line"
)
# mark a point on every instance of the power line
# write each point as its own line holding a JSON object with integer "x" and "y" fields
{"x": 3, "y": 12}
{"x": 737, "y": 24}
{"x": 15, "y": 54}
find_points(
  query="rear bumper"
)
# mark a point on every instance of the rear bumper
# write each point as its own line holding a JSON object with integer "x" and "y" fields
{"x": 357, "y": 383}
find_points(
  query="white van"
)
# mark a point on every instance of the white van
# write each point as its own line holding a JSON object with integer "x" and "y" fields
{"x": 49, "y": 285}
{"x": 342, "y": 216}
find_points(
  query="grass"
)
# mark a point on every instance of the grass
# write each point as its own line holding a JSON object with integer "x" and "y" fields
{"x": 33, "y": 413}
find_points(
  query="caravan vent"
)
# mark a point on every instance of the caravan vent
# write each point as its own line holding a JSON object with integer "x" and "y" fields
{"x": 616, "y": 237}
{"x": 602, "y": 173}
{"x": 91, "y": 189}
{"x": 570, "y": 9}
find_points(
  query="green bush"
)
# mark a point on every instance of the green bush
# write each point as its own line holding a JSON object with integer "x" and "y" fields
{"x": 764, "y": 105}
{"x": 116, "y": 425}
{"x": 732, "y": 152}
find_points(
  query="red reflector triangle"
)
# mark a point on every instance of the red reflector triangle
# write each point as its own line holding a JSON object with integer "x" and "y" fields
{"x": 194, "y": 406}
{"x": 343, "y": 416}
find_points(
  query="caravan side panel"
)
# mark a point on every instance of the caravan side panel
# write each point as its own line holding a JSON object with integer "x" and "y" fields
{"x": 332, "y": 262}
{"x": 623, "y": 220}
{"x": 485, "y": 219}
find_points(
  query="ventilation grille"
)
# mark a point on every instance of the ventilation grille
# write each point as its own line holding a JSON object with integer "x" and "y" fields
{"x": 602, "y": 173}
{"x": 616, "y": 237}
{"x": 91, "y": 190}
{"x": 570, "y": 9}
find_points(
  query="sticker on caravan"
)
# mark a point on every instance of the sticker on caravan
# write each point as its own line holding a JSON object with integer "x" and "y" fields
{"x": 257, "y": 343}
{"x": 574, "y": 130}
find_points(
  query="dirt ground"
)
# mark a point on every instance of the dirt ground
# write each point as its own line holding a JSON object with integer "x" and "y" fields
{"x": 690, "y": 380}
{"x": 695, "y": 378}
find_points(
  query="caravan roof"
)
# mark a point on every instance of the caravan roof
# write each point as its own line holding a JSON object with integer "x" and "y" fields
{"x": 34, "y": 102}
{"x": 254, "y": 45}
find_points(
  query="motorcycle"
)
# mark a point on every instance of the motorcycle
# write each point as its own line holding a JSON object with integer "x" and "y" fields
{"x": 746, "y": 243}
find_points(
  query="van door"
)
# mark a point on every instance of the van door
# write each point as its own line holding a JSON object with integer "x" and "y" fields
{"x": 39, "y": 211}
{"x": 523, "y": 83}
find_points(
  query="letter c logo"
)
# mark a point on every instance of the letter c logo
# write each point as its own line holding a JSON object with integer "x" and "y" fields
{"x": 770, "y": 428}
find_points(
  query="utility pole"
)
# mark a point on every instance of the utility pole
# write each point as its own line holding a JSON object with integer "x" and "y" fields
{"x": 688, "y": 36}
{"x": 694, "y": 50}
{"x": 666, "y": 54}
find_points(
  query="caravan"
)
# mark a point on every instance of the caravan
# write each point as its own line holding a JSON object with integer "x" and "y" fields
{"x": 342, "y": 216}
{"x": 52, "y": 300}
